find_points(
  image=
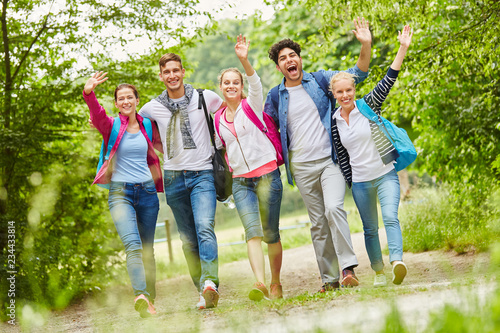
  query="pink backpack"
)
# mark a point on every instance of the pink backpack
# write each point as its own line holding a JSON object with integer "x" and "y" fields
{"x": 269, "y": 128}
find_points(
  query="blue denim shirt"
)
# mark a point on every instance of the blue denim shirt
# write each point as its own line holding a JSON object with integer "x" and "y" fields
{"x": 320, "y": 99}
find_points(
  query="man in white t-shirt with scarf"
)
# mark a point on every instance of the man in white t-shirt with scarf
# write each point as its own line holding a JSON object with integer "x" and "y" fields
{"x": 188, "y": 173}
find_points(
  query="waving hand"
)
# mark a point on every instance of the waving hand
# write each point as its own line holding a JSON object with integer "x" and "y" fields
{"x": 94, "y": 81}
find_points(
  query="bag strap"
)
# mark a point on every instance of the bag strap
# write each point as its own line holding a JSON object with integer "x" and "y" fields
{"x": 324, "y": 85}
{"x": 252, "y": 116}
{"x": 217, "y": 116}
{"x": 113, "y": 136}
{"x": 275, "y": 97}
{"x": 366, "y": 111}
{"x": 210, "y": 124}
{"x": 148, "y": 127}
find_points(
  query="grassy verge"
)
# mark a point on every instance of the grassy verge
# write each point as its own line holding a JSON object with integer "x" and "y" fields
{"x": 477, "y": 314}
{"x": 462, "y": 218}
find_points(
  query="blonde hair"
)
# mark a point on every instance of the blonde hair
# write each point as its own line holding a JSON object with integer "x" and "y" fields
{"x": 342, "y": 76}
{"x": 235, "y": 70}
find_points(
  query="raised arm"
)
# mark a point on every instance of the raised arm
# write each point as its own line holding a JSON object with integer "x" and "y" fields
{"x": 404, "y": 38}
{"x": 255, "y": 96}
{"x": 241, "y": 50}
{"x": 362, "y": 33}
{"x": 98, "y": 117}
{"x": 378, "y": 95}
{"x": 94, "y": 81}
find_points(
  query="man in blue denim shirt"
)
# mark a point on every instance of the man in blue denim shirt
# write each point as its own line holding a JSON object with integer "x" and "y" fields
{"x": 304, "y": 117}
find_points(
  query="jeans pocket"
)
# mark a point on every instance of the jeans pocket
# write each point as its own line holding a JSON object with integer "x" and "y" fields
{"x": 115, "y": 190}
{"x": 168, "y": 180}
{"x": 150, "y": 189}
{"x": 275, "y": 190}
{"x": 240, "y": 189}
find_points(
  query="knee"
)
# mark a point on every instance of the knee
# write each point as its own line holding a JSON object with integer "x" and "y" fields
{"x": 271, "y": 237}
{"x": 133, "y": 252}
{"x": 390, "y": 220}
{"x": 271, "y": 234}
{"x": 205, "y": 229}
{"x": 334, "y": 208}
{"x": 132, "y": 245}
{"x": 189, "y": 241}
{"x": 390, "y": 216}
{"x": 370, "y": 230}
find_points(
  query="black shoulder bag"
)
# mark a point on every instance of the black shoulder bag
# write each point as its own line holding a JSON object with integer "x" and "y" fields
{"x": 223, "y": 179}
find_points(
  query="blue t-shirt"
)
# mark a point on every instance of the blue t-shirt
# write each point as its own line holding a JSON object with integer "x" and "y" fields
{"x": 131, "y": 164}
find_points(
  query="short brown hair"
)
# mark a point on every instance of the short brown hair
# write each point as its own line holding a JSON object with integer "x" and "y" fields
{"x": 125, "y": 86}
{"x": 274, "y": 51}
{"x": 169, "y": 57}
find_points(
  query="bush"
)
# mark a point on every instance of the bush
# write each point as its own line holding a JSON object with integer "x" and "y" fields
{"x": 66, "y": 244}
{"x": 461, "y": 217}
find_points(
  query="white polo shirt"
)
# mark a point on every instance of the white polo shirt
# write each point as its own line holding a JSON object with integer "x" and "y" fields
{"x": 357, "y": 139}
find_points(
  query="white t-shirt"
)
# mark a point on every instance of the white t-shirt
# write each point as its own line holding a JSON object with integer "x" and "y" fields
{"x": 186, "y": 159}
{"x": 357, "y": 138}
{"x": 309, "y": 140}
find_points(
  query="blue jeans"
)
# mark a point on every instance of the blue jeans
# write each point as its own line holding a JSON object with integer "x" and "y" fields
{"x": 191, "y": 196}
{"x": 134, "y": 209}
{"x": 365, "y": 195}
{"x": 259, "y": 199}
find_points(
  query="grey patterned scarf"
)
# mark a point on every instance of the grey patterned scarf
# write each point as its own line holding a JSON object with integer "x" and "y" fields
{"x": 178, "y": 109}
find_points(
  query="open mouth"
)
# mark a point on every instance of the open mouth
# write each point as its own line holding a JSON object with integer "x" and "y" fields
{"x": 292, "y": 69}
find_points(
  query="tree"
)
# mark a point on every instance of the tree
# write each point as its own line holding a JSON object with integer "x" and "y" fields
{"x": 450, "y": 89}
{"x": 47, "y": 156}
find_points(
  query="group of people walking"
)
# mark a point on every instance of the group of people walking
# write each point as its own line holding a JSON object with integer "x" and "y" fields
{"x": 324, "y": 148}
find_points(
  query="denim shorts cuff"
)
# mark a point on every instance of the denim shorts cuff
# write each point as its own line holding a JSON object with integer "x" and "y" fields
{"x": 272, "y": 240}
{"x": 253, "y": 232}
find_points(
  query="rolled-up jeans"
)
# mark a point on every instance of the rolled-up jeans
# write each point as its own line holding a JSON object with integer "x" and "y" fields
{"x": 134, "y": 209}
{"x": 365, "y": 195}
{"x": 191, "y": 196}
{"x": 258, "y": 201}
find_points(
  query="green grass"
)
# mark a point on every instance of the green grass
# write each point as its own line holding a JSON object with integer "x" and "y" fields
{"x": 462, "y": 218}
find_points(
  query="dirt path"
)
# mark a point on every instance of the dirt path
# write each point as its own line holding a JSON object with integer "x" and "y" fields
{"x": 428, "y": 286}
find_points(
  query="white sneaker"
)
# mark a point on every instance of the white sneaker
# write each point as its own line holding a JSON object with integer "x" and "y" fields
{"x": 210, "y": 294}
{"x": 201, "y": 303}
{"x": 399, "y": 271}
{"x": 380, "y": 280}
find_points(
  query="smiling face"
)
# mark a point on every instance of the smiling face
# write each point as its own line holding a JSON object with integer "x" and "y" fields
{"x": 290, "y": 65}
{"x": 344, "y": 92}
{"x": 231, "y": 85}
{"x": 172, "y": 75}
{"x": 126, "y": 101}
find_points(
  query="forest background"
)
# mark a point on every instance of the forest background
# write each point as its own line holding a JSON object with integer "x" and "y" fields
{"x": 447, "y": 97}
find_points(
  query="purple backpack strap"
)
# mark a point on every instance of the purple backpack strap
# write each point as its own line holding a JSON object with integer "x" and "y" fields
{"x": 217, "y": 123}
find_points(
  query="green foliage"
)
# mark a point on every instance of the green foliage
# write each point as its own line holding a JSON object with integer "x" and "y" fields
{"x": 64, "y": 239}
{"x": 449, "y": 86}
{"x": 460, "y": 218}
{"x": 447, "y": 94}
{"x": 393, "y": 322}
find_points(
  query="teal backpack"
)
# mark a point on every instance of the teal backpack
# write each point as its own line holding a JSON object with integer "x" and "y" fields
{"x": 106, "y": 150}
{"x": 397, "y": 136}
